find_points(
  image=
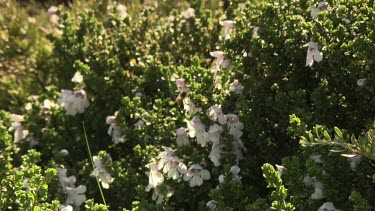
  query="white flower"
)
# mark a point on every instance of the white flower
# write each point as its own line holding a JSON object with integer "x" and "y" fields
{"x": 64, "y": 152}
{"x": 76, "y": 196}
{"x": 140, "y": 123}
{"x": 211, "y": 205}
{"x": 47, "y": 105}
{"x": 165, "y": 157}
{"x": 114, "y": 130}
{"x": 77, "y": 78}
{"x": 182, "y": 137}
{"x": 197, "y": 129}
{"x": 181, "y": 86}
{"x": 313, "y": 54}
{"x": 19, "y": 132}
{"x": 235, "y": 126}
{"x": 155, "y": 178}
{"x": 237, "y": 149}
{"x": 322, "y": 6}
{"x": 228, "y": 24}
{"x": 280, "y": 169}
{"x": 236, "y": 87}
{"x": 213, "y": 133}
{"x": 318, "y": 187}
{"x": 328, "y": 206}
{"x": 354, "y": 161}
{"x": 53, "y": 17}
{"x": 196, "y": 174}
{"x": 234, "y": 170}
{"x": 174, "y": 168}
{"x": 158, "y": 196}
{"x": 347, "y": 21}
{"x": 65, "y": 208}
{"x": 188, "y": 13}
{"x": 189, "y": 106}
{"x": 219, "y": 55}
{"x": 215, "y": 113}
{"x": 122, "y": 10}
{"x": 361, "y": 82}
{"x": 316, "y": 158}
{"x": 73, "y": 102}
{"x": 215, "y": 154}
{"x": 104, "y": 177}
{"x": 226, "y": 63}
{"x": 64, "y": 180}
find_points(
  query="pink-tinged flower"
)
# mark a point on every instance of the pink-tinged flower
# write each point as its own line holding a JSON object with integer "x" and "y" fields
{"x": 174, "y": 168}
{"x": 53, "y": 17}
{"x": 181, "y": 86}
{"x": 189, "y": 106}
{"x": 236, "y": 87}
{"x": 182, "y": 137}
{"x": 155, "y": 177}
{"x": 19, "y": 132}
{"x": 76, "y": 196}
{"x": 196, "y": 174}
{"x": 197, "y": 129}
{"x": 219, "y": 55}
{"x": 228, "y": 24}
{"x": 226, "y": 63}
{"x": 73, "y": 102}
{"x": 313, "y": 54}
{"x": 77, "y": 78}
{"x": 238, "y": 147}
{"x": 114, "y": 130}
{"x": 188, "y": 13}
{"x": 122, "y": 10}
{"x": 101, "y": 172}
{"x": 328, "y": 206}
{"x": 361, "y": 82}
{"x": 215, "y": 113}
{"x": 64, "y": 180}
{"x": 215, "y": 154}
{"x": 322, "y": 6}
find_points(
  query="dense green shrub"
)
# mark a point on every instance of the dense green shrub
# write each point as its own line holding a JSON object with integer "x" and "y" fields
{"x": 177, "y": 109}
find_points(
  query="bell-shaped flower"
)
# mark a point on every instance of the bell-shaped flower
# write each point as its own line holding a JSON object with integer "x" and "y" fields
{"x": 81, "y": 102}
{"x": 121, "y": 9}
{"x": 77, "y": 78}
{"x": 19, "y": 132}
{"x": 215, "y": 113}
{"x": 236, "y": 87}
{"x": 197, "y": 130}
{"x": 165, "y": 157}
{"x": 188, "y": 13}
{"x": 76, "y": 196}
{"x": 219, "y": 55}
{"x": 215, "y": 154}
{"x": 328, "y": 206}
{"x": 322, "y": 6}
{"x": 101, "y": 172}
{"x": 182, "y": 137}
{"x": 174, "y": 168}
{"x": 361, "y": 82}
{"x": 114, "y": 130}
{"x": 235, "y": 126}
{"x": 228, "y": 24}
{"x": 73, "y": 102}
{"x": 213, "y": 133}
{"x": 155, "y": 177}
{"x": 64, "y": 180}
{"x": 313, "y": 54}
{"x": 181, "y": 86}
{"x": 53, "y": 17}
{"x": 196, "y": 174}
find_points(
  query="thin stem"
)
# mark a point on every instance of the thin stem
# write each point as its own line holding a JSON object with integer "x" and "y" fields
{"x": 92, "y": 162}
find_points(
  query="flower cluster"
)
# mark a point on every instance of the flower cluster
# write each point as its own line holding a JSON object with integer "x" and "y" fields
{"x": 73, "y": 101}
{"x": 101, "y": 172}
{"x": 114, "y": 130}
{"x": 75, "y": 195}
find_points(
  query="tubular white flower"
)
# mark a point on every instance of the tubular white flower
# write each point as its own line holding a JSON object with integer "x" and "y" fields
{"x": 211, "y": 205}
{"x": 322, "y": 6}
{"x": 19, "y": 132}
{"x": 213, "y": 133}
{"x": 228, "y": 24}
{"x": 155, "y": 177}
{"x": 76, "y": 196}
{"x": 328, "y": 206}
{"x": 121, "y": 9}
{"x": 236, "y": 87}
{"x": 188, "y": 13}
{"x": 77, "y": 78}
{"x": 165, "y": 157}
{"x": 215, "y": 154}
{"x": 197, "y": 129}
{"x": 313, "y": 54}
{"x": 182, "y": 137}
{"x": 354, "y": 161}
{"x": 104, "y": 177}
{"x": 174, "y": 168}
{"x": 73, "y": 102}
{"x": 215, "y": 113}
{"x": 219, "y": 55}
{"x": 196, "y": 174}
{"x": 114, "y": 130}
